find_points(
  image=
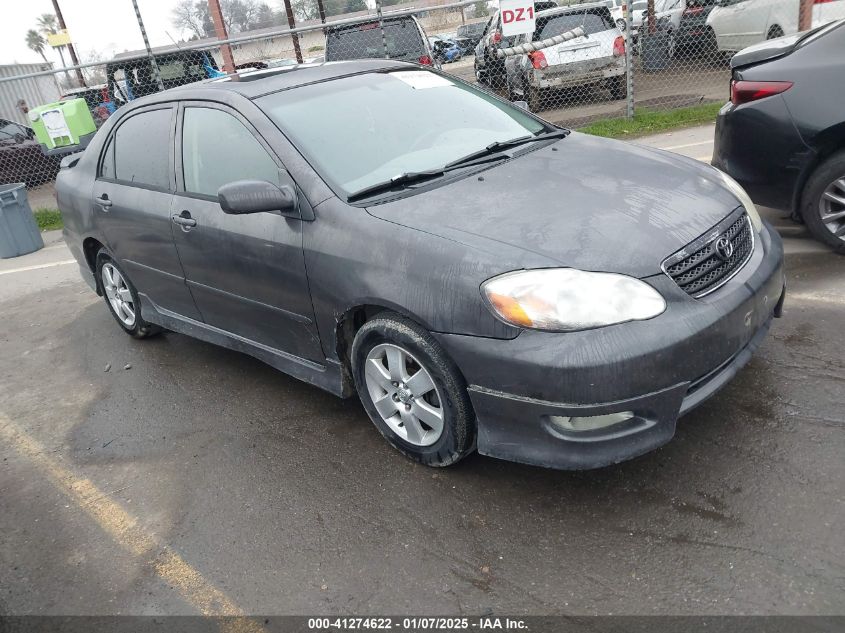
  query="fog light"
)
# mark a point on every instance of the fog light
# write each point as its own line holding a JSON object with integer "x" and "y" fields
{"x": 589, "y": 423}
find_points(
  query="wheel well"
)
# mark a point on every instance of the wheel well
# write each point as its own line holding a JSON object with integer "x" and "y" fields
{"x": 347, "y": 326}
{"x": 829, "y": 142}
{"x": 90, "y": 247}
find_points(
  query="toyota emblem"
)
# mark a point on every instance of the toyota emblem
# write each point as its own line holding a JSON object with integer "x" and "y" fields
{"x": 724, "y": 249}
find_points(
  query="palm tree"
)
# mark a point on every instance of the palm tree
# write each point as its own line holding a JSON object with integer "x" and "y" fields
{"x": 36, "y": 42}
{"x": 47, "y": 23}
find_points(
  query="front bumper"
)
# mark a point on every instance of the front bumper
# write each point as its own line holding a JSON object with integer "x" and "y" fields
{"x": 657, "y": 369}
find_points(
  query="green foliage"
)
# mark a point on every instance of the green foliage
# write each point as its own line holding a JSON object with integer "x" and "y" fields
{"x": 48, "y": 219}
{"x": 651, "y": 121}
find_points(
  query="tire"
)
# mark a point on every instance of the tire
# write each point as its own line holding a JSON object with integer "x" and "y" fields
{"x": 112, "y": 285}
{"x": 533, "y": 97}
{"x": 402, "y": 391}
{"x": 828, "y": 177}
{"x": 616, "y": 87}
{"x": 671, "y": 45}
{"x": 774, "y": 33}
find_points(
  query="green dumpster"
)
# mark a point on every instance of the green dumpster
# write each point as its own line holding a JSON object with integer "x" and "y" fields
{"x": 63, "y": 126}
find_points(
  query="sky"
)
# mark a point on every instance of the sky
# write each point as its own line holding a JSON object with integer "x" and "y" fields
{"x": 107, "y": 26}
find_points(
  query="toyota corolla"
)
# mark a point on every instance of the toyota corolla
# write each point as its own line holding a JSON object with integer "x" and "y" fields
{"x": 480, "y": 278}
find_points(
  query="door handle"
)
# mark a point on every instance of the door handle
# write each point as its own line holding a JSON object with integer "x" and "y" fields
{"x": 184, "y": 220}
{"x": 103, "y": 201}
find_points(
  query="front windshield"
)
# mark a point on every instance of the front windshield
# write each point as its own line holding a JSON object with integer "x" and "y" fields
{"x": 362, "y": 130}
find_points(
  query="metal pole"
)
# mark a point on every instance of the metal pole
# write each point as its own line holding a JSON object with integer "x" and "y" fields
{"x": 61, "y": 20}
{"x": 805, "y": 15}
{"x": 292, "y": 24}
{"x": 629, "y": 60}
{"x": 222, "y": 34}
{"x": 381, "y": 26}
{"x": 322, "y": 11}
{"x": 156, "y": 74}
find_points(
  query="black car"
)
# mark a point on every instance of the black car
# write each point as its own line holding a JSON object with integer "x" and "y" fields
{"x": 782, "y": 135}
{"x": 397, "y": 37}
{"x": 694, "y": 37}
{"x": 21, "y": 159}
{"x": 472, "y": 32}
{"x": 479, "y": 277}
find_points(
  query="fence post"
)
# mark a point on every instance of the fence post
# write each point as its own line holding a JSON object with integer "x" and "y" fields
{"x": 629, "y": 59}
{"x": 805, "y": 15}
{"x": 292, "y": 24}
{"x": 156, "y": 74}
{"x": 381, "y": 26}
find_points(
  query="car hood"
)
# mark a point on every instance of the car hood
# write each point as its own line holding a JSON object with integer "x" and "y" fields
{"x": 582, "y": 202}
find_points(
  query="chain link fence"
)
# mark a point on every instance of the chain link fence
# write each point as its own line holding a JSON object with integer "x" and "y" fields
{"x": 625, "y": 58}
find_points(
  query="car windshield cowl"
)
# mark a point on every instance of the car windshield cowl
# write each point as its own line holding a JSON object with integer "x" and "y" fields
{"x": 498, "y": 146}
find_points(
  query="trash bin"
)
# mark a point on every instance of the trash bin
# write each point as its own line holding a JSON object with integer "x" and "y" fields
{"x": 19, "y": 233}
{"x": 63, "y": 126}
{"x": 655, "y": 50}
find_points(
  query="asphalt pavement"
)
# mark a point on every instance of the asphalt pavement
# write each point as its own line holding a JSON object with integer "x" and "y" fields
{"x": 169, "y": 476}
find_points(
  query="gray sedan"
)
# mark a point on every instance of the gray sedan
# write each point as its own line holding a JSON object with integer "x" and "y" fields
{"x": 481, "y": 279}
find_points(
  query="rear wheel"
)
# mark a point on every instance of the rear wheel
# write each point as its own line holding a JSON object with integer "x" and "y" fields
{"x": 616, "y": 87}
{"x": 823, "y": 203}
{"x": 412, "y": 391}
{"x": 533, "y": 97}
{"x": 122, "y": 298}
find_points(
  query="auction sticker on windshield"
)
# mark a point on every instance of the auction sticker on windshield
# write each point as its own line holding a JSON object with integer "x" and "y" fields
{"x": 517, "y": 17}
{"x": 420, "y": 79}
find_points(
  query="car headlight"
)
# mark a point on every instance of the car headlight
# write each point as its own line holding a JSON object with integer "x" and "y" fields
{"x": 566, "y": 299}
{"x": 736, "y": 189}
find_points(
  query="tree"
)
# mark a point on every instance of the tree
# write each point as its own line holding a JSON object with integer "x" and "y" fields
{"x": 238, "y": 16}
{"x": 353, "y": 6}
{"x": 480, "y": 8}
{"x": 36, "y": 42}
{"x": 47, "y": 24}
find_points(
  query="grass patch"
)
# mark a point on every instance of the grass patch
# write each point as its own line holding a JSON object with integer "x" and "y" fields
{"x": 48, "y": 219}
{"x": 651, "y": 122}
{"x": 314, "y": 49}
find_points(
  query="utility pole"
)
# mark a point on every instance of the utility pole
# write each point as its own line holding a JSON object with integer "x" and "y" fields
{"x": 322, "y": 11}
{"x": 73, "y": 57}
{"x": 153, "y": 63}
{"x": 222, "y": 34}
{"x": 294, "y": 36}
{"x": 805, "y": 15}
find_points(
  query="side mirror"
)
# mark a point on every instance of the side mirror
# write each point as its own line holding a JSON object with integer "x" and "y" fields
{"x": 257, "y": 196}
{"x": 523, "y": 105}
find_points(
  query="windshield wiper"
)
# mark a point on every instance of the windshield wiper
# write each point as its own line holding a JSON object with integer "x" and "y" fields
{"x": 402, "y": 179}
{"x": 498, "y": 146}
{"x": 487, "y": 155}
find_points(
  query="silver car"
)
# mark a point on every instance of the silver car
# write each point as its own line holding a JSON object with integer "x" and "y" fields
{"x": 598, "y": 57}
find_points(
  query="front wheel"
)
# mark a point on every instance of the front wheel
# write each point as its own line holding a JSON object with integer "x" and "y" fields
{"x": 122, "y": 298}
{"x": 412, "y": 391}
{"x": 823, "y": 203}
{"x": 616, "y": 87}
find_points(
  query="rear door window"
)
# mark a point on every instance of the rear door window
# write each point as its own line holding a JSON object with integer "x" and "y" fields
{"x": 594, "y": 21}
{"x": 142, "y": 149}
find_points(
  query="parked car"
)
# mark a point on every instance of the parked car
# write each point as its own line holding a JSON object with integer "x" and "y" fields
{"x": 596, "y": 58}
{"x": 667, "y": 17}
{"x": 741, "y": 23}
{"x": 473, "y": 32}
{"x": 403, "y": 39}
{"x": 617, "y": 11}
{"x": 444, "y": 51}
{"x": 489, "y": 68}
{"x": 782, "y": 136}
{"x": 129, "y": 77}
{"x": 464, "y": 44}
{"x": 693, "y": 35}
{"x": 21, "y": 159}
{"x": 639, "y": 10}
{"x": 440, "y": 262}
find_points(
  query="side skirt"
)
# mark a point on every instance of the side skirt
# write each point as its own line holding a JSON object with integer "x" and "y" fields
{"x": 327, "y": 377}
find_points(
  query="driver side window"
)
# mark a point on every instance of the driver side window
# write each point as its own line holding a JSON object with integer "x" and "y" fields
{"x": 218, "y": 149}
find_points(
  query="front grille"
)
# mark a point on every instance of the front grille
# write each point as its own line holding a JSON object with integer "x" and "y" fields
{"x": 702, "y": 266}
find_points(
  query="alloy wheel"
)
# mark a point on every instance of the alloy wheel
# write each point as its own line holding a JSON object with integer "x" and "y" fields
{"x": 832, "y": 208}
{"x": 119, "y": 295}
{"x": 404, "y": 394}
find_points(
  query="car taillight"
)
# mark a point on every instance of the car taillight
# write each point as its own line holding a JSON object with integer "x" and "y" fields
{"x": 538, "y": 60}
{"x": 618, "y": 46}
{"x": 425, "y": 60}
{"x": 497, "y": 37}
{"x": 822, "y": 1}
{"x": 747, "y": 91}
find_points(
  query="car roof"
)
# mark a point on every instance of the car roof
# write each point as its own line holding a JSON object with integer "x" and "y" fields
{"x": 255, "y": 83}
{"x": 572, "y": 8}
